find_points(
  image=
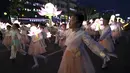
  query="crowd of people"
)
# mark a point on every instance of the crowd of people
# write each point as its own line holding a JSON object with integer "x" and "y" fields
{"x": 98, "y": 35}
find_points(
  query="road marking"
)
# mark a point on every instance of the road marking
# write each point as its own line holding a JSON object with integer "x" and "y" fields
{"x": 54, "y": 52}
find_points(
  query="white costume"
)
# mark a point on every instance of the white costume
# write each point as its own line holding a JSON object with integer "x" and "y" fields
{"x": 106, "y": 39}
{"x": 16, "y": 44}
{"x": 76, "y": 58}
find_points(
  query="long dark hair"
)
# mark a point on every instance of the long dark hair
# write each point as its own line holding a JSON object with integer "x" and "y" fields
{"x": 79, "y": 17}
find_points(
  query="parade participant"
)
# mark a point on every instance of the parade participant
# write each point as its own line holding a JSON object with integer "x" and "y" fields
{"x": 37, "y": 47}
{"x": 24, "y": 36}
{"x": 96, "y": 29}
{"x": 116, "y": 30}
{"x": 59, "y": 35}
{"x": 106, "y": 36}
{"x": 16, "y": 42}
{"x": 75, "y": 58}
{"x": 44, "y": 34}
{"x": 7, "y": 37}
{"x": 1, "y": 36}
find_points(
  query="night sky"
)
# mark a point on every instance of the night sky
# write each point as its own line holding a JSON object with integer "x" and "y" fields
{"x": 120, "y": 6}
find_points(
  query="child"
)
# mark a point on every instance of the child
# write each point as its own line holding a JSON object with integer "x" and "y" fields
{"x": 36, "y": 47}
{"x": 7, "y": 38}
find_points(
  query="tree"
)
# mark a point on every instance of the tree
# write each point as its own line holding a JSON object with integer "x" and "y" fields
{"x": 14, "y": 6}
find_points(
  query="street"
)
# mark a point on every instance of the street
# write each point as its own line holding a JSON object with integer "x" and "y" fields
{"x": 23, "y": 63}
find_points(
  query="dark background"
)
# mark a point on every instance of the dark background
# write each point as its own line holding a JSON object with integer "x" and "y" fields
{"x": 120, "y": 6}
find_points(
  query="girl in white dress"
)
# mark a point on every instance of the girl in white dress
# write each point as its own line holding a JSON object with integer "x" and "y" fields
{"x": 106, "y": 35}
{"x": 76, "y": 58}
{"x": 16, "y": 43}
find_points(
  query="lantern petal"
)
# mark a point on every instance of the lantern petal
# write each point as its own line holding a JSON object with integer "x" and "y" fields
{"x": 58, "y": 13}
{"x": 42, "y": 12}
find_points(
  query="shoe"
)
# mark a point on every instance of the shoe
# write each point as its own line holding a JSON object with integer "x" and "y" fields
{"x": 35, "y": 66}
{"x": 23, "y": 52}
{"x": 112, "y": 55}
{"x": 104, "y": 66}
{"x": 105, "y": 61}
{"x": 12, "y": 58}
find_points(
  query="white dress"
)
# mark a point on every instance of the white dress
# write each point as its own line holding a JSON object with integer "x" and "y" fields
{"x": 106, "y": 37}
{"x": 15, "y": 43}
{"x": 76, "y": 58}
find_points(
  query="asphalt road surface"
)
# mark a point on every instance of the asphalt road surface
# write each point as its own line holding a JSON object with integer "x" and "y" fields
{"x": 23, "y": 63}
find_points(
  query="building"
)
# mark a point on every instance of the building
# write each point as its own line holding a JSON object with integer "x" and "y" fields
{"x": 30, "y": 8}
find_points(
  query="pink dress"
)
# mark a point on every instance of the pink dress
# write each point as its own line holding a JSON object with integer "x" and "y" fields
{"x": 7, "y": 39}
{"x": 76, "y": 58}
{"x": 37, "y": 45}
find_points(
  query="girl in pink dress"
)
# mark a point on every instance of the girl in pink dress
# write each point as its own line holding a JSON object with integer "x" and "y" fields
{"x": 37, "y": 46}
{"x": 7, "y": 38}
{"x": 76, "y": 58}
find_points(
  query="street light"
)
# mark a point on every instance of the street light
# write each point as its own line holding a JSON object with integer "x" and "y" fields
{"x": 22, "y": 15}
{"x": 5, "y": 13}
{"x": 128, "y": 18}
{"x": 117, "y": 14}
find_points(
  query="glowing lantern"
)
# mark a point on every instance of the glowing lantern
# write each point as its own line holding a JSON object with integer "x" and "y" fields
{"x": 112, "y": 19}
{"x": 97, "y": 25}
{"x": 16, "y": 22}
{"x": 48, "y": 34}
{"x": 84, "y": 23}
{"x": 49, "y": 10}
